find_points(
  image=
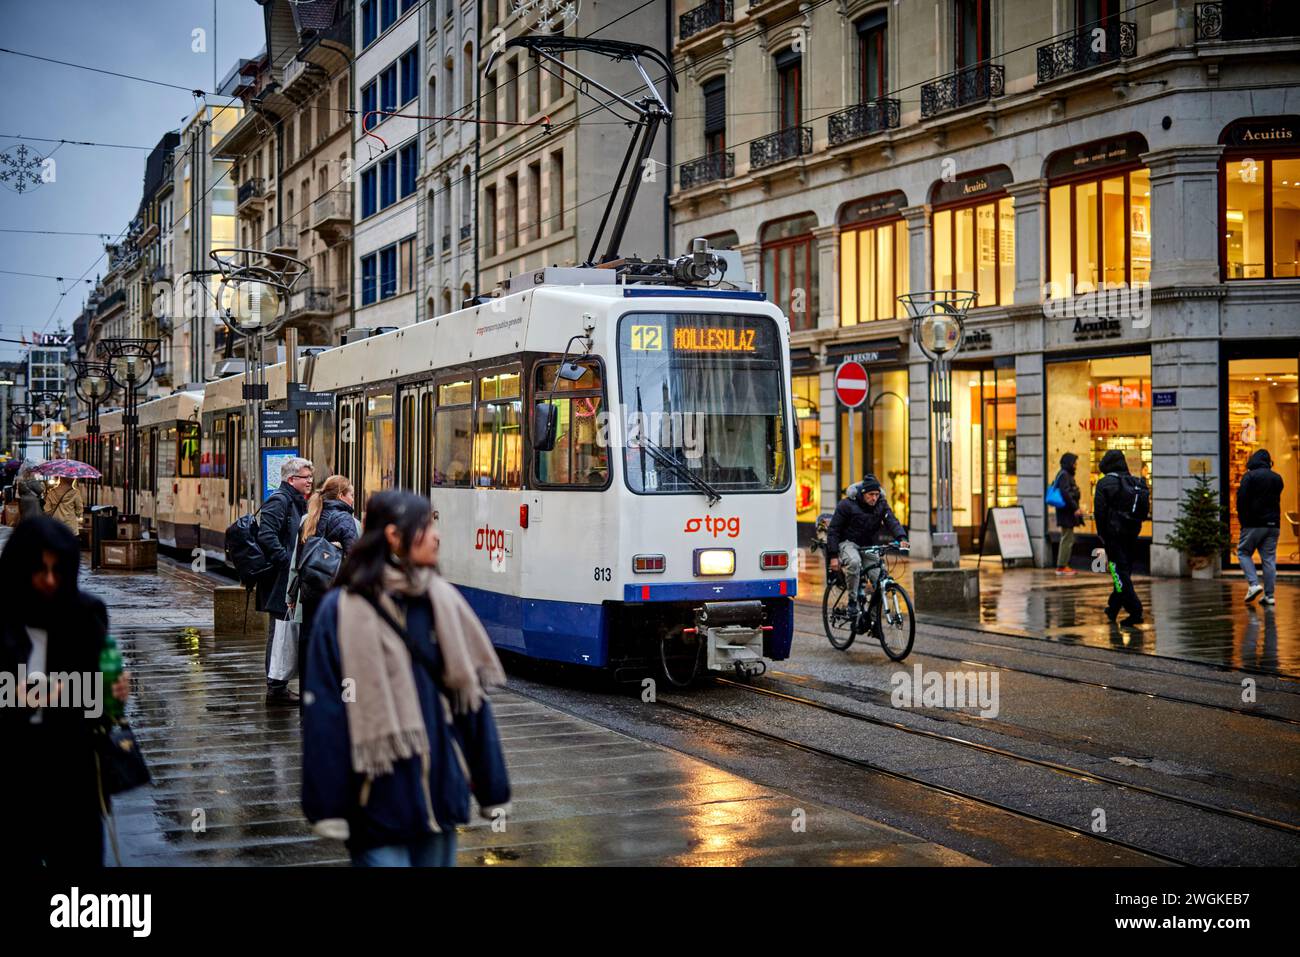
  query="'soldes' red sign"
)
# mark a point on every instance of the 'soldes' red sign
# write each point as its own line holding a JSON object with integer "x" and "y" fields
{"x": 851, "y": 384}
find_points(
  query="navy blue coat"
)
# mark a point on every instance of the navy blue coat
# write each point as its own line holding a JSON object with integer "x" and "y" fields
{"x": 397, "y": 806}
{"x": 277, "y": 528}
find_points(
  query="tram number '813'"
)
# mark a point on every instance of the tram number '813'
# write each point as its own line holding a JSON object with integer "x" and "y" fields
{"x": 602, "y": 574}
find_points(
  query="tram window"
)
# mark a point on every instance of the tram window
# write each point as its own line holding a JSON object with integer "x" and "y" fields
{"x": 167, "y": 440}
{"x": 115, "y": 460}
{"x": 347, "y": 440}
{"x": 580, "y": 458}
{"x": 408, "y": 423}
{"x": 217, "y": 468}
{"x": 189, "y": 450}
{"x": 499, "y": 385}
{"x": 318, "y": 427}
{"x": 145, "y": 470}
{"x": 451, "y": 447}
{"x": 379, "y": 453}
{"x": 426, "y": 430}
{"x": 498, "y": 445}
{"x": 456, "y": 393}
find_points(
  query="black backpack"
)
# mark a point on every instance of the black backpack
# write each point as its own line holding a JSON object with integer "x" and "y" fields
{"x": 243, "y": 553}
{"x": 1133, "y": 502}
{"x": 318, "y": 563}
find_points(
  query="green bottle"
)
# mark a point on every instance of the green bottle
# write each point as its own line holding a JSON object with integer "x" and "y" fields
{"x": 111, "y": 666}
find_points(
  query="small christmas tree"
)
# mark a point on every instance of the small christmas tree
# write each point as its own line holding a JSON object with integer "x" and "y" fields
{"x": 1199, "y": 531}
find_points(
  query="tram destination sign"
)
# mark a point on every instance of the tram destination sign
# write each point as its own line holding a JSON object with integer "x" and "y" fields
{"x": 301, "y": 400}
{"x": 279, "y": 423}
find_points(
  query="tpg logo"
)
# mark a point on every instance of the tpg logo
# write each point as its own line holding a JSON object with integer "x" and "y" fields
{"x": 715, "y": 525}
{"x": 489, "y": 538}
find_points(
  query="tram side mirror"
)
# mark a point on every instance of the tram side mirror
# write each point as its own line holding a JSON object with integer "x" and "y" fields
{"x": 544, "y": 422}
{"x": 572, "y": 372}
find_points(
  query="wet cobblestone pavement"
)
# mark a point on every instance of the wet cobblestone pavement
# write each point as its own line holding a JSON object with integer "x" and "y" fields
{"x": 227, "y": 770}
{"x": 1204, "y": 621}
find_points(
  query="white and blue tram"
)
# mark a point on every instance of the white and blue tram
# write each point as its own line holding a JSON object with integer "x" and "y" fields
{"x": 610, "y": 463}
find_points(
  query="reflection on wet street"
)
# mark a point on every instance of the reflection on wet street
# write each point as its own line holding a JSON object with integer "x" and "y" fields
{"x": 227, "y": 769}
{"x": 1203, "y": 621}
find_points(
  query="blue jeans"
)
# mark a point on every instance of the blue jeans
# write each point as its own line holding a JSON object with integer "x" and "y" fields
{"x": 1264, "y": 539}
{"x": 435, "y": 850}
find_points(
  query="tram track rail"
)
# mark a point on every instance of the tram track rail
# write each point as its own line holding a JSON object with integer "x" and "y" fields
{"x": 1079, "y": 774}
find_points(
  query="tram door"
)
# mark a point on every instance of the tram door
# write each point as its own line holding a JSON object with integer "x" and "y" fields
{"x": 414, "y": 437}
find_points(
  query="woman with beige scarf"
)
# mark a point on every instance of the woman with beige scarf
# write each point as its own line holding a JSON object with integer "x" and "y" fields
{"x": 397, "y": 727}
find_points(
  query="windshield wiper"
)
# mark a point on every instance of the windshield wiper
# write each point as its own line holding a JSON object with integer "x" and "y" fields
{"x": 659, "y": 455}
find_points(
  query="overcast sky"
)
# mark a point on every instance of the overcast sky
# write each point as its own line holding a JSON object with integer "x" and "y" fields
{"x": 96, "y": 189}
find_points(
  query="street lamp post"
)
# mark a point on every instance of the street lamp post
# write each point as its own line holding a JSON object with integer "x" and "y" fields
{"x": 130, "y": 365}
{"x": 20, "y": 417}
{"x": 94, "y": 384}
{"x": 47, "y": 406}
{"x": 938, "y": 327}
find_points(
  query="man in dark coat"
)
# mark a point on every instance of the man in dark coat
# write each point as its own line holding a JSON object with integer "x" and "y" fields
{"x": 1118, "y": 536}
{"x": 1259, "y": 510}
{"x": 858, "y": 519}
{"x": 31, "y": 496}
{"x": 1070, "y": 515}
{"x": 277, "y": 529}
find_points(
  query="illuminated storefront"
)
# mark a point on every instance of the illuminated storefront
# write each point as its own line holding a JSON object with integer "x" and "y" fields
{"x": 873, "y": 259}
{"x": 1093, "y": 406}
{"x": 806, "y": 394}
{"x": 984, "y": 455}
{"x": 973, "y": 236}
{"x": 877, "y": 437}
{"x": 1259, "y": 209}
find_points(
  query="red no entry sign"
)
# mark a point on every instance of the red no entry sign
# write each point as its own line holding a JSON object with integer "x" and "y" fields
{"x": 851, "y": 384}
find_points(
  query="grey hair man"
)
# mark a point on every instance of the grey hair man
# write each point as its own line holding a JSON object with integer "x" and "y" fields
{"x": 277, "y": 531}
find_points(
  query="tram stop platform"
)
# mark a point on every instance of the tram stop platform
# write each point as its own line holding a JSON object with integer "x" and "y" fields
{"x": 1191, "y": 619}
{"x": 227, "y": 768}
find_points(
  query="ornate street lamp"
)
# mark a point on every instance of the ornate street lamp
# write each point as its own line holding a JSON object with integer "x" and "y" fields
{"x": 20, "y": 418}
{"x": 130, "y": 365}
{"x": 94, "y": 384}
{"x": 254, "y": 291}
{"x": 938, "y": 327}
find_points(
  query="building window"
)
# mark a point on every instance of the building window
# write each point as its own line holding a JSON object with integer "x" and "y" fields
{"x": 1261, "y": 216}
{"x": 368, "y": 199}
{"x": 790, "y": 269}
{"x": 369, "y": 275}
{"x": 512, "y": 211}
{"x": 369, "y": 22}
{"x": 490, "y": 220}
{"x": 873, "y": 79}
{"x": 490, "y": 103}
{"x": 388, "y": 89}
{"x": 1093, "y": 406}
{"x": 974, "y": 242}
{"x": 387, "y": 182}
{"x": 873, "y": 259}
{"x": 534, "y": 81}
{"x": 409, "y": 157}
{"x": 715, "y": 116}
{"x": 388, "y": 272}
{"x": 406, "y": 259}
{"x": 556, "y": 192}
{"x": 1099, "y": 232}
{"x": 387, "y": 14}
{"x": 369, "y": 103}
{"x": 410, "y": 67}
{"x": 971, "y": 33}
{"x": 533, "y": 227}
{"x": 789, "y": 69}
{"x": 512, "y": 91}
{"x": 984, "y": 448}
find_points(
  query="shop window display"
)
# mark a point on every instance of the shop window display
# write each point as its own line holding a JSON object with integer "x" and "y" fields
{"x": 984, "y": 457}
{"x": 806, "y": 391}
{"x": 880, "y": 439}
{"x": 1262, "y": 414}
{"x": 1093, "y": 406}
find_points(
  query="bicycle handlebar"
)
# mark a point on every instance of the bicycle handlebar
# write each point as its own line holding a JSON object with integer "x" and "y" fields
{"x": 892, "y": 546}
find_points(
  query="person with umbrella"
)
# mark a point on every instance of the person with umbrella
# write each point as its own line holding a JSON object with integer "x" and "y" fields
{"x": 31, "y": 491}
{"x": 64, "y": 502}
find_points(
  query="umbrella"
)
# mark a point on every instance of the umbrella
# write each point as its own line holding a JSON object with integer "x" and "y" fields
{"x": 67, "y": 468}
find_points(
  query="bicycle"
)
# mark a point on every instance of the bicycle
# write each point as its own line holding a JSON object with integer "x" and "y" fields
{"x": 887, "y": 614}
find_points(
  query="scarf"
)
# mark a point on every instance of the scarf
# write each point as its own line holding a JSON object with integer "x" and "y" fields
{"x": 385, "y": 722}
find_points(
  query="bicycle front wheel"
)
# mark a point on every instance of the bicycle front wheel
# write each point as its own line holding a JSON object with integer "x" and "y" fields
{"x": 838, "y": 623}
{"x": 895, "y": 622}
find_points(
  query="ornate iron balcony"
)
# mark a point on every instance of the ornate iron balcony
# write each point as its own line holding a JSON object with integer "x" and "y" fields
{"x": 707, "y": 14}
{"x": 1247, "y": 20}
{"x": 780, "y": 146}
{"x": 251, "y": 189}
{"x": 314, "y": 300}
{"x": 465, "y": 231}
{"x": 1116, "y": 39}
{"x": 708, "y": 169}
{"x": 865, "y": 119}
{"x": 973, "y": 85}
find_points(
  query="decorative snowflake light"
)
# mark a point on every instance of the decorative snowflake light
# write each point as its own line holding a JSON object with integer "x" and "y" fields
{"x": 20, "y": 168}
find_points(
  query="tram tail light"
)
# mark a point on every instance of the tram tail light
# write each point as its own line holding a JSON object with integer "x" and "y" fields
{"x": 648, "y": 564}
{"x": 523, "y": 516}
{"x": 774, "y": 561}
{"x": 715, "y": 561}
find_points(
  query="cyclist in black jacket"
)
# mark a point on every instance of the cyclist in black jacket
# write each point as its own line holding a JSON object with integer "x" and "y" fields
{"x": 858, "y": 520}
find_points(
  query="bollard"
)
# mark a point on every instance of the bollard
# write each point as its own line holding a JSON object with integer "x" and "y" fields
{"x": 234, "y": 612}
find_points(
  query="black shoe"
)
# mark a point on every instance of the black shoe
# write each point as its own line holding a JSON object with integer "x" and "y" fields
{"x": 852, "y": 610}
{"x": 1133, "y": 620}
{"x": 1111, "y": 613}
{"x": 281, "y": 696}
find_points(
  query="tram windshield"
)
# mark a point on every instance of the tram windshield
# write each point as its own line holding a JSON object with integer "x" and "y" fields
{"x": 704, "y": 390}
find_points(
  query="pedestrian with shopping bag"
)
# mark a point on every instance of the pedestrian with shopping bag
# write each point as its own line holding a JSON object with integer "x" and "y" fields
{"x": 1064, "y": 495}
{"x": 276, "y": 533}
{"x": 52, "y": 801}
{"x": 1259, "y": 510}
{"x": 397, "y": 727}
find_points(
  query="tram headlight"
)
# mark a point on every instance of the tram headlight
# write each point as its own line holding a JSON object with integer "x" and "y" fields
{"x": 715, "y": 561}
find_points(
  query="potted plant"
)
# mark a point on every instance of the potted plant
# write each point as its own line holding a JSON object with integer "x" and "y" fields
{"x": 1200, "y": 532}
